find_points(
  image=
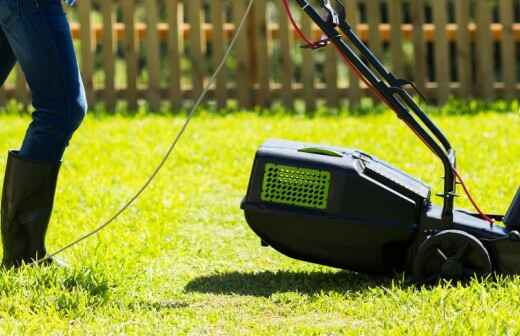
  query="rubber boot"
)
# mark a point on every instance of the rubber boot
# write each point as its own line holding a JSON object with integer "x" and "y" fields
{"x": 27, "y": 202}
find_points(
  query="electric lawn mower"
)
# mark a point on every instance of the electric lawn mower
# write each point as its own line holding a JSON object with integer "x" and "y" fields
{"x": 347, "y": 209}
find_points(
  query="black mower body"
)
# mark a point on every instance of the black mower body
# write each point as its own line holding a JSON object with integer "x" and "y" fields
{"x": 346, "y": 209}
{"x": 368, "y": 218}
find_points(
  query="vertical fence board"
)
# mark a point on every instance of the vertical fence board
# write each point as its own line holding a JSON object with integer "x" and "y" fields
{"x": 331, "y": 76}
{"x": 442, "y": 63}
{"x": 174, "y": 55}
{"x": 484, "y": 47}
{"x": 217, "y": 17}
{"x": 21, "y": 85}
{"x": 263, "y": 74}
{"x": 153, "y": 56}
{"x": 419, "y": 43}
{"x": 130, "y": 45}
{"x": 107, "y": 9}
{"x": 462, "y": 8}
{"x": 3, "y": 98}
{"x": 396, "y": 41}
{"x": 196, "y": 56}
{"x": 351, "y": 6}
{"x": 508, "y": 49}
{"x": 308, "y": 71}
{"x": 374, "y": 19}
{"x": 286, "y": 61}
{"x": 87, "y": 55}
{"x": 242, "y": 70}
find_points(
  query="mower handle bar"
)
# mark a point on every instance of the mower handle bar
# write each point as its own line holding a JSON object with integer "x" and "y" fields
{"x": 391, "y": 91}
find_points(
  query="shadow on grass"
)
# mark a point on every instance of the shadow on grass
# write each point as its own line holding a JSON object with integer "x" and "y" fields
{"x": 267, "y": 283}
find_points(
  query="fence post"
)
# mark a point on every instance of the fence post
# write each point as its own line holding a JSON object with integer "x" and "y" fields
{"x": 153, "y": 59}
{"x": 462, "y": 8}
{"x": 22, "y": 95}
{"x": 508, "y": 49}
{"x": 419, "y": 44}
{"x": 243, "y": 74}
{"x": 373, "y": 8}
{"x": 130, "y": 47}
{"x": 396, "y": 43}
{"x": 196, "y": 57}
{"x": 442, "y": 60}
{"x": 308, "y": 70}
{"x": 87, "y": 43}
{"x": 108, "y": 54}
{"x": 351, "y": 6}
{"x": 263, "y": 74}
{"x": 484, "y": 47}
{"x": 218, "y": 42}
{"x": 285, "y": 36}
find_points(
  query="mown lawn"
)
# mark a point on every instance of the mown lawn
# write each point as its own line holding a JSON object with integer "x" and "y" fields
{"x": 183, "y": 260}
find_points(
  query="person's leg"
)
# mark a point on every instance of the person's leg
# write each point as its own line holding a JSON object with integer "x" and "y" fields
{"x": 7, "y": 59}
{"x": 39, "y": 36}
{"x": 41, "y": 40}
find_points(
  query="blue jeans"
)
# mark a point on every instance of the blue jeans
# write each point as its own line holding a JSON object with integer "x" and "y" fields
{"x": 36, "y": 34}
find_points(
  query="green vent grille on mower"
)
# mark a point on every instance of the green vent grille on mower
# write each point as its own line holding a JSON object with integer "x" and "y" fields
{"x": 302, "y": 187}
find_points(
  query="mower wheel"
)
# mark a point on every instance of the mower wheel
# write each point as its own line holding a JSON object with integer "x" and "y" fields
{"x": 451, "y": 255}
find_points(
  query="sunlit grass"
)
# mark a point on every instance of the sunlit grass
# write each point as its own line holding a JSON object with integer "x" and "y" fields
{"x": 183, "y": 260}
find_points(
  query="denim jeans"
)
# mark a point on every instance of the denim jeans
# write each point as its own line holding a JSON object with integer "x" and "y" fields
{"x": 36, "y": 34}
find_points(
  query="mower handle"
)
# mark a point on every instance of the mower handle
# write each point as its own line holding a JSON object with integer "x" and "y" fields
{"x": 390, "y": 89}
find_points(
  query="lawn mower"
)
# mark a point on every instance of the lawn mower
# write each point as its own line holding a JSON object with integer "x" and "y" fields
{"x": 347, "y": 209}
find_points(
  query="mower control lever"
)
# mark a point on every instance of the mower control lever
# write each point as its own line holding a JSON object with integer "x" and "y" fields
{"x": 333, "y": 16}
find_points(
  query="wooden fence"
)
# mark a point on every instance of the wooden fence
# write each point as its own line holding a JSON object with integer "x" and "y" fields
{"x": 156, "y": 51}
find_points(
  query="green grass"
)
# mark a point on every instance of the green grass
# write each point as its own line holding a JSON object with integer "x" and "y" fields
{"x": 183, "y": 261}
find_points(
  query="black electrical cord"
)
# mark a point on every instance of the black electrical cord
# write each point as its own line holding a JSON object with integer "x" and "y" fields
{"x": 170, "y": 150}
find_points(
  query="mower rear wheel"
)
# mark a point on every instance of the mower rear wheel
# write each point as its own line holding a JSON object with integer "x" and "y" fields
{"x": 451, "y": 255}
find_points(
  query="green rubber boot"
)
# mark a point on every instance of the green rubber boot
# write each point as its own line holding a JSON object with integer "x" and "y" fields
{"x": 27, "y": 202}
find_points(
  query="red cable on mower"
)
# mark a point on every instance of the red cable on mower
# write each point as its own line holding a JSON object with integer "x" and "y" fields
{"x": 471, "y": 199}
{"x": 373, "y": 90}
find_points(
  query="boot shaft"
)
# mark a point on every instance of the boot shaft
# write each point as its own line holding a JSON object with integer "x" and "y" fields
{"x": 27, "y": 202}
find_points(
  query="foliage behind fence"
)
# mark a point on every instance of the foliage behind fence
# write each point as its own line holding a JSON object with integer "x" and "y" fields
{"x": 465, "y": 48}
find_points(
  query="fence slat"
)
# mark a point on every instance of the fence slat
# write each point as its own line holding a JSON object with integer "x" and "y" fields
{"x": 130, "y": 45}
{"x": 107, "y": 9}
{"x": 462, "y": 8}
{"x": 174, "y": 54}
{"x": 243, "y": 74}
{"x": 308, "y": 70}
{"x": 87, "y": 43}
{"x": 508, "y": 49}
{"x": 374, "y": 19}
{"x": 195, "y": 47}
{"x": 351, "y": 6}
{"x": 442, "y": 62}
{"x": 263, "y": 61}
{"x": 484, "y": 48}
{"x": 217, "y": 14}
{"x": 21, "y": 85}
{"x": 3, "y": 98}
{"x": 153, "y": 58}
{"x": 396, "y": 20}
{"x": 331, "y": 76}
{"x": 286, "y": 61}
{"x": 420, "y": 65}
